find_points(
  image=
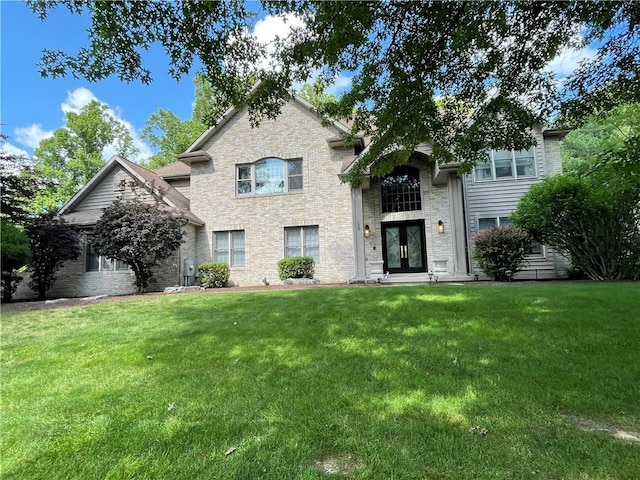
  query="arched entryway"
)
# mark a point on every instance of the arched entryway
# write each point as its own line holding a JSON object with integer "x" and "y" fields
{"x": 403, "y": 242}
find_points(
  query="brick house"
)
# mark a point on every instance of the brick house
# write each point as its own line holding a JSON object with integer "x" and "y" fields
{"x": 253, "y": 196}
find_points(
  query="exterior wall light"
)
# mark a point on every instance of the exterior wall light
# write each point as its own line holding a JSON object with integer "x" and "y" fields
{"x": 367, "y": 232}
{"x": 440, "y": 226}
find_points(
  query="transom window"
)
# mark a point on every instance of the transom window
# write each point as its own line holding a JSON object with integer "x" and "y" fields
{"x": 506, "y": 164}
{"x": 268, "y": 176}
{"x": 229, "y": 247}
{"x": 98, "y": 263}
{"x": 302, "y": 242}
{"x": 535, "y": 249}
{"x": 401, "y": 190}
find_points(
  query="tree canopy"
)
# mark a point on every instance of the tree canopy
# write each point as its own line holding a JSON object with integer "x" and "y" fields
{"x": 486, "y": 59}
{"x": 612, "y": 133}
{"x": 18, "y": 186}
{"x": 314, "y": 93}
{"x": 14, "y": 254}
{"x": 173, "y": 136}
{"x": 75, "y": 152}
{"x": 170, "y": 135}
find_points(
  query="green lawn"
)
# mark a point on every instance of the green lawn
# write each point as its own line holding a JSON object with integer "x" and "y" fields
{"x": 420, "y": 382}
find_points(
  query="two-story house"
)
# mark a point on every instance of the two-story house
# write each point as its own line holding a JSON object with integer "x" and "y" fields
{"x": 252, "y": 196}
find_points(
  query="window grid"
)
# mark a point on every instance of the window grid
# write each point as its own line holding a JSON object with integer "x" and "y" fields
{"x": 229, "y": 247}
{"x": 401, "y": 190}
{"x": 535, "y": 249}
{"x": 505, "y": 164}
{"x": 302, "y": 242}
{"x": 269, "y": 176}
{"x": 98, "y": 263}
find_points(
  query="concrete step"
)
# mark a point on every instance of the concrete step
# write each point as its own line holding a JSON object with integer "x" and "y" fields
{"x": 409, "y": 278}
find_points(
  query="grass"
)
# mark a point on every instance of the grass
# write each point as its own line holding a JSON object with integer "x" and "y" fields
{"x": 420, "y": 382}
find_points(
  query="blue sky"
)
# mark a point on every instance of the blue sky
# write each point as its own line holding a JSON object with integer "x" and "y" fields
{"x": 32, "y": 107}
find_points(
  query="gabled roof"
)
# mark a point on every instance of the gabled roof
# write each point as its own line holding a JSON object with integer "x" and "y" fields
{"x": 174, "y": 170}
{"x": 195, "y": 153}
{"x": 173, "y": 200}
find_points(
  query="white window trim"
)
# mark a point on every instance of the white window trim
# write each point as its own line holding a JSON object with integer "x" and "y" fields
{"x": 253, "y": 178}
{"x": 301, "y": 229}
{"x": 230, "y": 250}
{"x": 496, "y": 219}
{"x": 101, "y": 259}
{"x": 514, "y": 168}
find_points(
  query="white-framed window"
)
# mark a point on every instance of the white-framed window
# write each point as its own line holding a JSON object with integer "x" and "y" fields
{"x": 488, "y": 222}
{"x": 503, "y": 164}
{"x": 229, "y": 247}
{"x": 302, "y": 242}
{"x": 268, "y": 176}
{"x": 535, "y": 249}
{"x": 98, "y": 263}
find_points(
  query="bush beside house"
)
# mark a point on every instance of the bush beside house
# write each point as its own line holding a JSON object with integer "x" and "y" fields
{"x": 213, "y": 274}
{"x": 500, "y": 251}
{"x": 296, "y": 267}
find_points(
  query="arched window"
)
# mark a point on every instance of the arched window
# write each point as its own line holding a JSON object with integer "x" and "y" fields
{"x": 401, "y": 190}
{"x": 269, "y": 175}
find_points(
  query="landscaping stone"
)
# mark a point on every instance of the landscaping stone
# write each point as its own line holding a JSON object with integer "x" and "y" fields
{"x": 300, "y": 281}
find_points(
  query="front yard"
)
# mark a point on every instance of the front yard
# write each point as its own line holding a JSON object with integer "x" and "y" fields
{"x": 523, "y": 381}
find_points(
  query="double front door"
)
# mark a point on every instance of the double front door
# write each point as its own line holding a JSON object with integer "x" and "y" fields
{"x": 403, "y": 247}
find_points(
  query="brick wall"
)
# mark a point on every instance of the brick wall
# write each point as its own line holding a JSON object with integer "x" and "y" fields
{"x": 74, "y": 281}
{"x": 324, "y": 200}
{"x": 435, "y": 206}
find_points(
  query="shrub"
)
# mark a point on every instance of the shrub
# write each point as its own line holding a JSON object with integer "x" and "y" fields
{"x": 213, "y": 274}
{"x": 500, "y": 249}
{"x": 593, "y": 220}
{"x": 295, "y": 267}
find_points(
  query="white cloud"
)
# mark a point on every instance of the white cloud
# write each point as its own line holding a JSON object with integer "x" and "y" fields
{"x": 567, "y": 61}
{"x": 12, "y": 150}
{"x": 32, "y": 135}
{"x": 269, "y": 28}
{"x": 77, "y": 99}
{"x": 339, "y": 85}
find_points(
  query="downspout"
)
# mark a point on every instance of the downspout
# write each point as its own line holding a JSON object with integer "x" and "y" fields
{"x": 467, "y": 242}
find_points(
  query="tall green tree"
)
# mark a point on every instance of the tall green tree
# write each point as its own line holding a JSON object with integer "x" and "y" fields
{"x": 315, "y": 93}
{"x": 172, "y": 136}
{"x": 75, "y": 152}
{"x": 14, "y": 254}
{"x": 403, "y": 56}
{"x": 18, "y": 186}
{"x": 611, "y": 132}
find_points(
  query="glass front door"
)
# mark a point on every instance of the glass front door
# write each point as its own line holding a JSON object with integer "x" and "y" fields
{"x": 403, "y": 247}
